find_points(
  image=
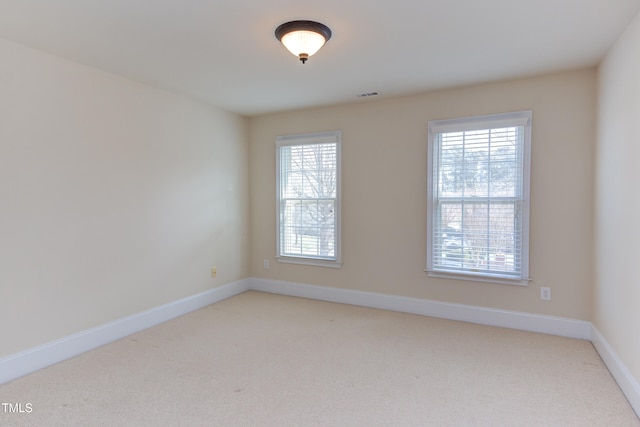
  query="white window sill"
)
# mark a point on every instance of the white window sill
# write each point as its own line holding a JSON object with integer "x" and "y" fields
{"x": 478, "y": 278}
{"x": 310, "y": 261}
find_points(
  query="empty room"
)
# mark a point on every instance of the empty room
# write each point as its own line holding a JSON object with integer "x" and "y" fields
{"x": 336, "y": 214}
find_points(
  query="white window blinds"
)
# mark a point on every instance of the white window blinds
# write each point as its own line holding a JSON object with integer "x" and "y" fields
{"x": 308, "y": 196}
{"x": 479, "y": 196}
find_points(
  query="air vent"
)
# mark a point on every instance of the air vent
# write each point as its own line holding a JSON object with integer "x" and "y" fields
{"x": 365, "y": 95}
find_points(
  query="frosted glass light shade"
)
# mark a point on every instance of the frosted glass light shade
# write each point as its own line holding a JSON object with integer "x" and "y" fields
{"x": 303, "y": 38}
{"x": 298, "y": 42}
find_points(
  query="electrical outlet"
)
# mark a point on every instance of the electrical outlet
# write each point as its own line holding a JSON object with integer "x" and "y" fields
{"x": 214, "y": 272}
{"x": 545, "y": 294}
{"x": 265, "y": 264}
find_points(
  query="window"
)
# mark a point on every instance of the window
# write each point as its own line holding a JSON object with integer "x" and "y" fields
{"x": 478, "y": 198}
{"x": 308, "y": 191}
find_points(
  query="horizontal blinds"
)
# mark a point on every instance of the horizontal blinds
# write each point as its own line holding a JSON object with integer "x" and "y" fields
{"x": 478, "y": 197}
{"x": 481, "y": 122}
{"x": 312, "y": 138}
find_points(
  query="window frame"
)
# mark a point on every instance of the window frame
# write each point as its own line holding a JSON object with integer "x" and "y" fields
{"x": 330, "y": 137}
{"x": 493, "y": 121}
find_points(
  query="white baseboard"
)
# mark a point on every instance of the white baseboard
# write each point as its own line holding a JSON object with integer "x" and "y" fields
{"x": 482, "y": 315}
{"x": 619, "y": 371}
{"x": 36, "y": 358}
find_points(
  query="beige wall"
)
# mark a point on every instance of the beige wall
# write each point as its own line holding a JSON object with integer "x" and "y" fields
{"x": 384, "y": 192}
{"x": 617, "y": 249}
{"x": 114, "y": 197}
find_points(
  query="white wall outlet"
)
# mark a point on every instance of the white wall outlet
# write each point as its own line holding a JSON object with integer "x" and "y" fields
{"x": 265, "y": 263}
{"x": 214, "y": 271}
{"x": 545, "y": 294}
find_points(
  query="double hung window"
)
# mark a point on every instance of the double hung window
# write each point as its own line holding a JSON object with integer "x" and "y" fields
{"x": 478, "y": 198}
{"x": 308, "y": 192}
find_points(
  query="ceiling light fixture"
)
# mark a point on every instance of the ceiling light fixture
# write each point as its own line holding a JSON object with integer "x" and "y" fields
{"x": 303, "y": 38}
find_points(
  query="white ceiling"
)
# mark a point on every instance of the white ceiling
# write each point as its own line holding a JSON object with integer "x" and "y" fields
{"x": 224, "y": 51}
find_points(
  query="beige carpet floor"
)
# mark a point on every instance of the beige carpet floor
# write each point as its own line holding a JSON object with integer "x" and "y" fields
{"x": 267, "y": 360}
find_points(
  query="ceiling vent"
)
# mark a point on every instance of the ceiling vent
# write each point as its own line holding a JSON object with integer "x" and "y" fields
{"x": 366, "y": 95}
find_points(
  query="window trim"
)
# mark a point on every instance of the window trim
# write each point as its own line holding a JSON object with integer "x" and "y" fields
{"x": 520, "y": 118}
{"x": 308, "y": 139}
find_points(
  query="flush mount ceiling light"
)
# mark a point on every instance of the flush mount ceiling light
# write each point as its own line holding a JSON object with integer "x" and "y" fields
{"x": 303, "y": 38}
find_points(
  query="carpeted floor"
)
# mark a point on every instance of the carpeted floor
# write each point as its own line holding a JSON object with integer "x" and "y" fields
{"x": 267, "y": 360}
